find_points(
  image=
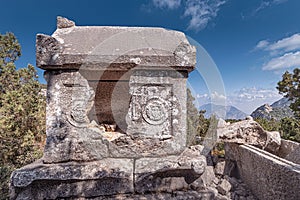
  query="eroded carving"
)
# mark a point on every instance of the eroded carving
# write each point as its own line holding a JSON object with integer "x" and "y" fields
{"x": 155, "y": 111}
{"x": 152, "y": 108}
{"x": 82, "y": 101}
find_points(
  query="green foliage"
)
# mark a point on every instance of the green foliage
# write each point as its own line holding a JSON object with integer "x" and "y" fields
{"x": 219, "y": 150}
{"x": 21, "y": 116}
{"x": 5, "y": 172}
{"x": 10, "y": 49}
{"x": 232, "y": 120}
{"x": 22, "y": 112}
{"x": 290, "y": 87}
{"x": 192, "y": 118}
{"x": 197, "y": 124}
{"x": 290, "y": 129}
{"x": 269, "y": 125}
{"x": 203, "y": 124}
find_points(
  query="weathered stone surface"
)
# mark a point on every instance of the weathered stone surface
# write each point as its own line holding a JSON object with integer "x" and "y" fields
{"x": 224, "y": 187}
{"x": 105, "y": 46}
{"x": 289, "y": 150}
{"x": 155, "y": 96}
{"x": 69, "y": 102}
{"x": 116, "y": 116}
{"x": 141, "y": 146}
{"x": 65, "y": 145}
{"x": 208, "y": 176}
{"x": 169, "y": 173}
{"x": 250, "y": 132}
{"x": 158, "y": 105}
{"x": 64, "y": 22}
{"x": 294, "y": 156}
{"x": 220, "y": 168}
{"x": 71, "y": 179}
{"x": 268, "y": 176}
{"x": 176, "y": 195}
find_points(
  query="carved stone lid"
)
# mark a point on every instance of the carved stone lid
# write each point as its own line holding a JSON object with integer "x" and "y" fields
{"x": 97, "y": 47}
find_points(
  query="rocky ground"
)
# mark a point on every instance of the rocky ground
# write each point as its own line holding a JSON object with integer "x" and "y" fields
{"x": 222, "y": 178}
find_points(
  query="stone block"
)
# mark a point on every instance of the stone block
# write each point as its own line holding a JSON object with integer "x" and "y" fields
{"x": 169, "y": 173}
{"x": 224, "y": 187}
{"x": 71, "y": 179}
{"x": 267, "y": 176}
{"x": 250, "y": 132}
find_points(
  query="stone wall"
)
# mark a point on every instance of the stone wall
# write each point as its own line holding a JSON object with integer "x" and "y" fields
{"x": 268, "y": 176}
{"x": 290, "y": 150}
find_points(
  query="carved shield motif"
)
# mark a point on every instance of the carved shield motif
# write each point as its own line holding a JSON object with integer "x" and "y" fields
{"x": 155, "y": 111}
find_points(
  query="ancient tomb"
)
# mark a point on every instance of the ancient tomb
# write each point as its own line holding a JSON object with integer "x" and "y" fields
{"x": 116, "y": 115}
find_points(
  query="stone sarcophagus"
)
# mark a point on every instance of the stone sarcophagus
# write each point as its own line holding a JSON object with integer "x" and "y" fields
{"x": 116, "y": 115}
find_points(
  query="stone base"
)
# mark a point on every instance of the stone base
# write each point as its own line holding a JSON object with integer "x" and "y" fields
{"x": 178, "y": 195}
{"x": 63, "y": 180}
{"x": 111, "y": 178}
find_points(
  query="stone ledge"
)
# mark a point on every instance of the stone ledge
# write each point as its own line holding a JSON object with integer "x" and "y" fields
{"x": 178, "y": 195}
{"x": 106, "y": 45}
{"x": 88, "y": 179}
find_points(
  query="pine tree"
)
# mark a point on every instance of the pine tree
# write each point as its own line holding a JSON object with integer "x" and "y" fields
{"x": 22, "y": 112}
{"x": 290, "y": 87}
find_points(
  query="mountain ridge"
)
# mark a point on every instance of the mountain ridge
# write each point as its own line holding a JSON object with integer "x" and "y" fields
{"x": 229, "y": 111}
{"x": 277, "y": 110}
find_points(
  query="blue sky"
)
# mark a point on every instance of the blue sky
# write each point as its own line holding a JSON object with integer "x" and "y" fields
{"x": 251, "y": 42}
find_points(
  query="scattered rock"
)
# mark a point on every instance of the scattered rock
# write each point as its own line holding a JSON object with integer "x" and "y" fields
{"x": 250, "y": 132}
{"x": 224, "y": 187}
{"x": 208, "y": 176}
{"x": 219, "y": 168}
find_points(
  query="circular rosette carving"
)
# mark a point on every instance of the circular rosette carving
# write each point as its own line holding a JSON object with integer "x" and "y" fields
{"x": 155, "y": 111}
{"x": 78, "y": 114}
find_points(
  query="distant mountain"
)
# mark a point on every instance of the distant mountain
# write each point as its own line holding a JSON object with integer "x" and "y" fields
{"x": 219, "y": 111}
{"x": 277, "y": 110}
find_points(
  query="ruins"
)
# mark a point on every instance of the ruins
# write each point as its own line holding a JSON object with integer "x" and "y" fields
{"x": 116, "y": 126}
{"x": 116, "y": 114}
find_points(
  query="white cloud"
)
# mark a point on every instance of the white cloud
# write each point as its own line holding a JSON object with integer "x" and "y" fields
{"x": 245, "y": 99}
{"x": 286, "y": 44}
{"x": 253, "y": 93}
{"x": 284, "y": 52}
{"x": 216, "y": 96}
{"x": 200, "y": 96}
{"x": 267, "y": 3}
{"x": 288, "y": 60}
{"x": 200, "y": 12}
{"x": 248, "y": 99}
{"x": 169, "y": 4}
{"x": 283, "y": 45}
{"x": 213, "y": 96}
{"x": 263, "y": 44}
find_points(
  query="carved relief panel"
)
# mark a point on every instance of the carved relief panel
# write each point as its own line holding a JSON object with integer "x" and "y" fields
{"x": 151, "y": 110}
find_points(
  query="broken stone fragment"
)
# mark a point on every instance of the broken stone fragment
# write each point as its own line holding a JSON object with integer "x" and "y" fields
{"x": 250, "y": 132}
{"x": 64, "y": 22}
{"x": 220, "y": 167}
{"x": 224, "y": 187}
